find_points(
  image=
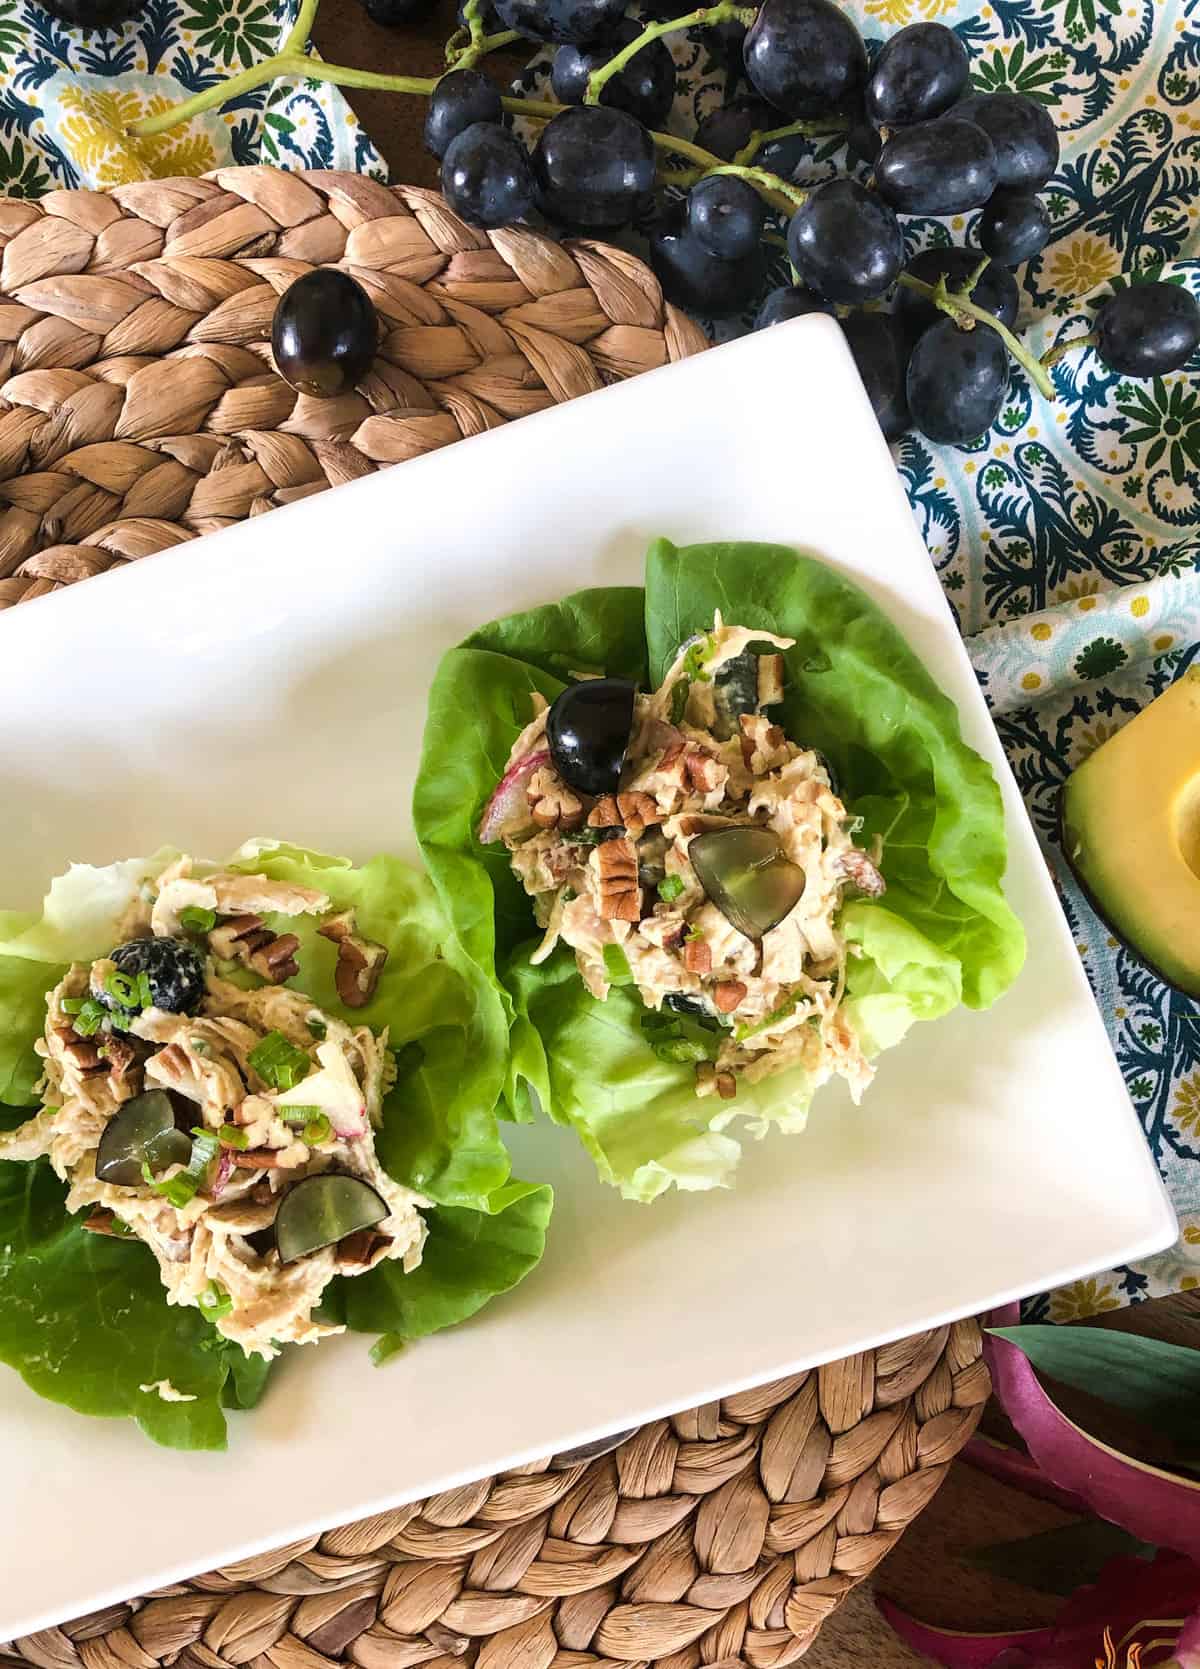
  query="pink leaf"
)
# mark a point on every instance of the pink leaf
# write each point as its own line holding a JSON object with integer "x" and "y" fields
{"x": 509, "y": 795}
{"x": 1014, "y": 1467}
{"x": 1010, "y": 1649}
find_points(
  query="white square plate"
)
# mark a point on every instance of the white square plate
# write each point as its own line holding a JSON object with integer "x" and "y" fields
{"x": 276, "y": 680}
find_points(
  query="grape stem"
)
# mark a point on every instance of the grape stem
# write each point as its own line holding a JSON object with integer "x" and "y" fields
{"x": 960, "y": 308}
{"x": 1061, "y": 349}
{"x": 811, "y": 130}
{"x": 708, "y": 16}
{"x": 478, "y": 43}
{"x": 781, "y": 194}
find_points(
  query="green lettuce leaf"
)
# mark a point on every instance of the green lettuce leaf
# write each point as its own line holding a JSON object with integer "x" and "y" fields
{"x": 84, "y": 1318}
{"x": 942, "y": 935}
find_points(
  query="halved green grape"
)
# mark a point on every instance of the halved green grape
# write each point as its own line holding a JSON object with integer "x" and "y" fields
{"x": 143, "y": 1131}
{"x": 322, "y": 1210}
{"x": 747, "y": 877}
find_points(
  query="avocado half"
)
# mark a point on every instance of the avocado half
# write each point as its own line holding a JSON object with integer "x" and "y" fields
{"x": 1131, "y": 832}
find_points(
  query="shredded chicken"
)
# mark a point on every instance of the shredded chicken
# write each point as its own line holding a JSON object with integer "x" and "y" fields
{"x": 216, "y": 1250}
{"x": 703, "y": 755}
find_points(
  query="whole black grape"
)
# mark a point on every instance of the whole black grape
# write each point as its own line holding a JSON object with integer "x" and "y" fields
{"x": 919, "y": 73}
{"x": 790, "y": 301}
{"x": 486, "y": 177}
{"x": 804, "y": 56}
{"x": 957, "y": 380}
{"x": 1022, "y": 133}
{"x": 460, "y": 99}
{"x": 996, "y": 290}
{"x": 945, "y": 166}
{"x": 593, "y": 167}
{"x": 1014, "y": 227}
{"x": 1147, "y": 330}
{"x": 695, "y": 279}
{"x": 93, "y": 14}
{"x": 726, "y": 215}
{"x": 324, "y": 334}
{"x": 881, "y": 349}
{"x": 581, "y": 21}
{"x": 844, "y": 243}
{"x": 396, "y": 13}
{"x": 645, "y": 88}
{"x": 863, "y": 141}
{"x": 725, "y": 130}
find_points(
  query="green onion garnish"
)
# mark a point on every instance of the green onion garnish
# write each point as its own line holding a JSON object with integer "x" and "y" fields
{"x": 90, "y": 1018}
{"x": 298, "y": 1113}
{"x": 145, "y": 996}
{"x": 214, "y": 1303}
{"x": 670, "y": 888}
{"x": 231, "y": 1136}
{"x": 121, "y": 1229}
{"x": 787, "y": 1007}
{"x": 679, "y": 1049}
{"x": 317, "y": 1130}
{"x": 384, "y": 1348}
{"x": 616, "y": 966}
{"x": 72, "y": 1005}
{"x": 122, "y": 989}
{"x": 317, "y": 1027}
{"x": 183, "y": 1187}
{"x": 279, "y": 1063}
{"x": 196, "y": 919}
{"x": 693, "y": 933}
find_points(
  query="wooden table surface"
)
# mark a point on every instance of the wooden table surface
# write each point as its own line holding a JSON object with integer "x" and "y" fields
{"x": 925, "y": 1572}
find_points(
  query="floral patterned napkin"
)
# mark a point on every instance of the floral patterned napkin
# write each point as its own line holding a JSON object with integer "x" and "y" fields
{"x": 1067, "y": 540}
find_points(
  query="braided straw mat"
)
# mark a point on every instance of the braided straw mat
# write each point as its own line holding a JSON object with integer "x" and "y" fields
{"x": 137, "y": 410}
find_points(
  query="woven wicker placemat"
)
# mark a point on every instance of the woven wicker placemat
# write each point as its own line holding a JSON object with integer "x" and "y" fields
{"x": 138, "y": 408}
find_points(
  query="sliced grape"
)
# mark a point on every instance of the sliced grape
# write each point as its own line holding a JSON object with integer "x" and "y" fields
{"x": 321, "y": 1210}
{"x": 747, "y": 877}
{"x": 141, "y": 1131}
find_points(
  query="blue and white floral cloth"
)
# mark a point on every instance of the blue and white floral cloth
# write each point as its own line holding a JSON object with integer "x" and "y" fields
{"x": 1067, "y": 540}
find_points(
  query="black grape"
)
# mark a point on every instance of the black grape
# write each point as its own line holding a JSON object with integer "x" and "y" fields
{"x": 863, "y": 142}
{"x": 460, "y": 98}
{"x": 486, "y": 176}
{"x": 726, "y": 215}
{"x": 645, "y": 88}
{"x": 727, "y": 129}
{"x": 696, "y": 280}
{"x": 789, "y": 301}
{"x": 996, "y": 292}
{"x": 845, "y": 243}
{"x": 942, "y": 167}
{"x": 1147, "y": 330}
{"x": 395, "y": 13}
{"x": 804, "y": 56}
{"x": 881, "y": 351}
{"x": 582, "y": 21}
{"x": 957, "y": 380}
{"x": 918, "y": 74}
{"x": 593, "y": 166}
{"x": 1022, "y": 133}
{"x": 1014, "y": 227}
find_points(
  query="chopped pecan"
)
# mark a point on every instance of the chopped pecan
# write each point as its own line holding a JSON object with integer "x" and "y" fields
{"x": 638, "y": 811}
{"x": 359, "y": 961}
{"x": 728, "y": 995}
{"x": 620, "y": 892}
{"x": 552, "y": 805}
{"x": 770, "y": 680}
{"x": 766, "y": 740}
{"x": 83, "y": 1054}
{"x": 671, "y": 755}
{"x": 357, "y": 1250}
{"x": 726, "y": 1085}
{"x": 259, "y": 1159}
{"x": 121, "y": 1056}
{"x": 605, "y": 814}
{"x": 172, "y": 1063}
{"x": 697, "y": 956}
{"x": 857, "y": 867}
{"x": 702, "y": 772}
{"x": 246, "y": 940}
{"x": 100, "y": 1221}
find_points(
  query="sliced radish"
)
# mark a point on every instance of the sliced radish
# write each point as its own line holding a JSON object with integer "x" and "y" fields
{"x": 509, "y": 795}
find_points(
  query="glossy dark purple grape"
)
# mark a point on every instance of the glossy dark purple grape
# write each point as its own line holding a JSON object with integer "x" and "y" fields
{"x": 645, "y": 88}
{"x": 863, "y": 142}
{"x": 324, "y": 333}
{"x": 696, "y": 280}
{"x": 593, "y": 167}
{"x": 581, "y": 21}
{"x": 1022, "y": 133}
{"x": 398, "y": 14}
{"x": 1014, "y": 227}
{"x": 726, "y": 215}
{"x": 1147, "y": 330}
{"x": 957, "y": 380}
{"x": 790, "y": 301}
{"x": 845, "y": 243}
{"x": 996, "y": 290}
{"x": 942, "y": 167}
{"x": 918, "y": 74}
{"x": 804, "y": 56}
{"x": 881, "y": 349}
{"x": 486, "y": 177}
{"x": 727, "y": 129}
{"x": 460, "y": 99}
{"x": 587, "y": 731}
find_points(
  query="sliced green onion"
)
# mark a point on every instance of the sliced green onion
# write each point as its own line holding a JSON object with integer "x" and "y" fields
{"x": 670, "y": 888}
{"x": 72, "y": 1005}
{"x": 679, "y": 700}
{"x": 317, "y": 1130}
{"x": 214, "y": 1302}
{"x": 197, "y": 919}
{"x": 317, "y": 1027}
{"x": 122, "y": 989}
{"x": 121, "y": 1229}
{"x": 694, "y": 933}
{"x": 121, "y": 1019}
{"x": 616, "y": 966}
{"x": 180, "y": 1189}
{"x": 90, "y": 1018}
{"x": 384, "y": 1348}
{"x": 679, "y": 1049}
{"x": 279, "y": 1063}
{"x": 298, "y": 1113}
{"x": 786, "y": 1008}
{"x": 231, "y": 1136}
{"x": 145, "y": 996}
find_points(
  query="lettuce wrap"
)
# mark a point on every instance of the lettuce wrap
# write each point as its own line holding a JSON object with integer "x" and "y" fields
{"x": 943, "y": 933}
{"x": 84, "y": 1318}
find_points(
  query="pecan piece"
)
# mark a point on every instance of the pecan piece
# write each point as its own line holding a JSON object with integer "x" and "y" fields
{"x": 728, "y": 995}
{"x": 357, "y": 1250}
{"x": 552, "y": 805}
{"x": 605, "y": 814}
{"x": 246, "y": 940}
{"x": 101, "y": 1221}
{"x": 726, "y": 1085}
{"x": 702, "y": 772}
{"x": 697, "y": 956}
{"x": 638, "y": 811}
{"x": 620, "y": 892}
{"x": 121, "y": 1056}
{"x": 359, "y": 961}
{"x": 83, "y": 1054}
{"x": 770, "y": 680}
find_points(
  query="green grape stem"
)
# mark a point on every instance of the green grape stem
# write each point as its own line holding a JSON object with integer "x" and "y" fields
{"x": 811, "y": 130}
{"x": 962, "y": 309}
{"x": 478, "y": 44}
{"x": 1060, "y": 350}
{"x": 707, "y": 16}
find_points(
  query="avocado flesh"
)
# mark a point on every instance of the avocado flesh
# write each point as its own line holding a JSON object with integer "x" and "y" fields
{"x": 1131, "y": 832}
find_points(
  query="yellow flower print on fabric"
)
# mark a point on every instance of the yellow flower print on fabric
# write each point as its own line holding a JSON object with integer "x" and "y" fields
{"x": 1083, "y": 264}
{"x": 1082, "y": 1298}
{"x": 93, "y": 127}
{"x": 898, "y": 12}
{"x": 1186, "y": 1111}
